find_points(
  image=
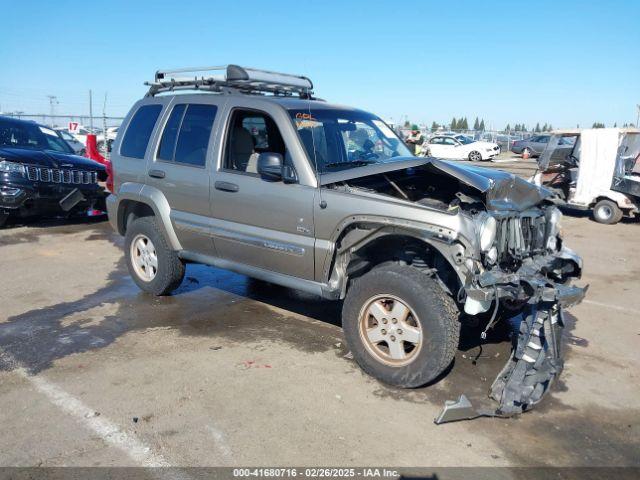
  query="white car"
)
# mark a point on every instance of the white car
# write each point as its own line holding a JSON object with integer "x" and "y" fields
{"x": 460, "y": 147}
{"x": 77, "y": 146}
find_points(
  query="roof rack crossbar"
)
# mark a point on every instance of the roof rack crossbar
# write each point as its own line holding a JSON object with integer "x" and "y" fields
{"x": 234, "y": 77}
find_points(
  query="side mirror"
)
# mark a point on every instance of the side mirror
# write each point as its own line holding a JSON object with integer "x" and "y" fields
{"x": 270, "y": 166}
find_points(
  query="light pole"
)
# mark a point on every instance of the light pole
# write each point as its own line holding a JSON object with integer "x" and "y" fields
{"x": 53, "y": 101}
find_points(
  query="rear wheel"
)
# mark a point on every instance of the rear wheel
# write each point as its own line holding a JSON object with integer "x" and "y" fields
{"x": 400, "y": 325}
{"x": 607, "y": 212}
{"x": 152, "y": 264}
{"x": 475, "y": 156}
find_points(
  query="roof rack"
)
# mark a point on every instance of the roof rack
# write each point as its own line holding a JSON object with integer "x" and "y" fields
{"x": 230, "y": 78}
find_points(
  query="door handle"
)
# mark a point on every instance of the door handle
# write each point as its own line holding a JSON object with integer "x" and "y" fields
{"x": 226, "y": 186}
{"x": 156, "y": 173}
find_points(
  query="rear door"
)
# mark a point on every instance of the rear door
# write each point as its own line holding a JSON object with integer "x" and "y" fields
{"x": 540, "y": 144}
{"x": 451, "y": 148}
{"x": 180, "y": 165}
{"x": 436, "y": 147}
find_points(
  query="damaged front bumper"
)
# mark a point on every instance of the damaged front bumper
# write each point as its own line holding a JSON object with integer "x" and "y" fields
{"x": 541, "y": 284}
{"x": 543, "y": 278}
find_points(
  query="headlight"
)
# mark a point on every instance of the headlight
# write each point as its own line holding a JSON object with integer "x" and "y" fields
{"x": 11, "y": 167}
{"x": 554, "y": 226}
{"x": 554, "y": 220}
{"x": 486, "y": 227}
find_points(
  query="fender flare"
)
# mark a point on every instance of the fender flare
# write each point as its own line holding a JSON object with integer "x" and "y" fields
{"x": 445, "y": 241}
{"x": 155, "y": 199}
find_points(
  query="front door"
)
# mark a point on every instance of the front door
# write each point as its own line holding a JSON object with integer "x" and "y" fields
{"x": 258, "y": 222}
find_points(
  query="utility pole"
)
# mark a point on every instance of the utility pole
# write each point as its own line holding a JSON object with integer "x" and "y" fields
{"x": 90, "y": 110}
{"x": 53, "y": 101}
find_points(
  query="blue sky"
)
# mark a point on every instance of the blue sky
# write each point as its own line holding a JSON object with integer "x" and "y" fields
{"x": 563, "y": 62}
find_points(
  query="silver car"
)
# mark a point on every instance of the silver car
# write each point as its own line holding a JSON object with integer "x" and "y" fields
{"x": 253, "y": 174}
{"x": 77, "y": 146}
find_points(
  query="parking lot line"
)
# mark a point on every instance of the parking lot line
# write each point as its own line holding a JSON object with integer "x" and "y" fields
{"x": 613, "y": 307}
{"x": 108, "y": 431}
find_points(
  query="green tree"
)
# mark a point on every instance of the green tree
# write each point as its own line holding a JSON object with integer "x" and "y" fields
{"x": 463, "y": 125}
{"x": 407, "y": 124}
{"x": 476, "y": 125}
{"x": 598, "y": 125}
{"x": 454, "y": 124}
{"x": 482, "y": 125}
{"x": 507, "y": 128}
{"x": 550, "y": 128}
{"x": 434, "y": 126}
{"x": 537, "y": 130}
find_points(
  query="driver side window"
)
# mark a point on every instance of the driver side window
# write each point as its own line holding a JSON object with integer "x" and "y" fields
{"x": 250, "y": 133}
{"x": 450, "y": 141}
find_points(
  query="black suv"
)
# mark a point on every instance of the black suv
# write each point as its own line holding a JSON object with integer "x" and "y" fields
{"x": 39, "y": 173}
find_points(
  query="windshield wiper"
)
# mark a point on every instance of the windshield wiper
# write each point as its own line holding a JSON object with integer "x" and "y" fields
{"x": 355, "y": 163}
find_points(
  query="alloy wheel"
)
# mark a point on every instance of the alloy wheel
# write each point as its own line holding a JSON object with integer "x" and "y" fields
{"x": 390, "y": 330}
{"x": 144, "y": 257}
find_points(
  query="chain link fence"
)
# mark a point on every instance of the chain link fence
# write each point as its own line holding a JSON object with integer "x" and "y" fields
{"x": 62, "y": 121}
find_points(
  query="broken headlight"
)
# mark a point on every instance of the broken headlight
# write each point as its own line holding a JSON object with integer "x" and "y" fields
{"x": 554, "y": 227}
{"x": 486, "y": 227}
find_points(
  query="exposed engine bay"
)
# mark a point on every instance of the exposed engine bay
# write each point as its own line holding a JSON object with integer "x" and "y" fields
{"x": 523, "y": 267}
{"x": 419, "y": 185}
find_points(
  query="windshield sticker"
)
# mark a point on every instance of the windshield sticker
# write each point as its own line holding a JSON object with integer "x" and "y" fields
{"x": 386, "y": 131}
{"x": 48, "y": 131}
{"x": 304, "y": 116}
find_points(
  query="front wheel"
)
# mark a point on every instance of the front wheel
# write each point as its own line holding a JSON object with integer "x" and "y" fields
{"x": 400, "y": 325}
{"x": 152, "y": 264}
{"x": 475, "y": 156}
{"x": 607, "y": 212}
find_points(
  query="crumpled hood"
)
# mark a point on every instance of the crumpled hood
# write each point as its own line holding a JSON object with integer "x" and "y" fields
{"x": 502, "y": 190}
{"x": 47, "y": 158}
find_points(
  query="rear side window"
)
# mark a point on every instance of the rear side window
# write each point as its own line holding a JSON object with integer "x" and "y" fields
{"x": 170, "y": 135}
{"x": 186, "y": 135}
{"x": 137, "y": 135}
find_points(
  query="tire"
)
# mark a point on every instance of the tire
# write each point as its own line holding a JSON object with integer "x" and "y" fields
{"x": 607, "y": 212}
{"x": 475, "y": 156}
{"x": 433, "y": 313}
{"x": 169, "y": 270}
{"x": 526, "y": 151}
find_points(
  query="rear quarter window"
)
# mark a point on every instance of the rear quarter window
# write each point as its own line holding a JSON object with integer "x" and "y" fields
{"x": 136, "y": 138}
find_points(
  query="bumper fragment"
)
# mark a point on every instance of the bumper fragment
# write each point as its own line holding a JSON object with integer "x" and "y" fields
{"x": 535, "y": 363}
{"x": 541, "y": 286}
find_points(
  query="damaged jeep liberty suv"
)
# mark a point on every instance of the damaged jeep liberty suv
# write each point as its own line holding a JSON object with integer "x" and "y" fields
{"x": 245, "y": 170}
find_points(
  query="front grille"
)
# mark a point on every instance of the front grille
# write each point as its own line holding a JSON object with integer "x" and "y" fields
{"x": 519, "y": 237}
{"x": 56, "y": 175}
